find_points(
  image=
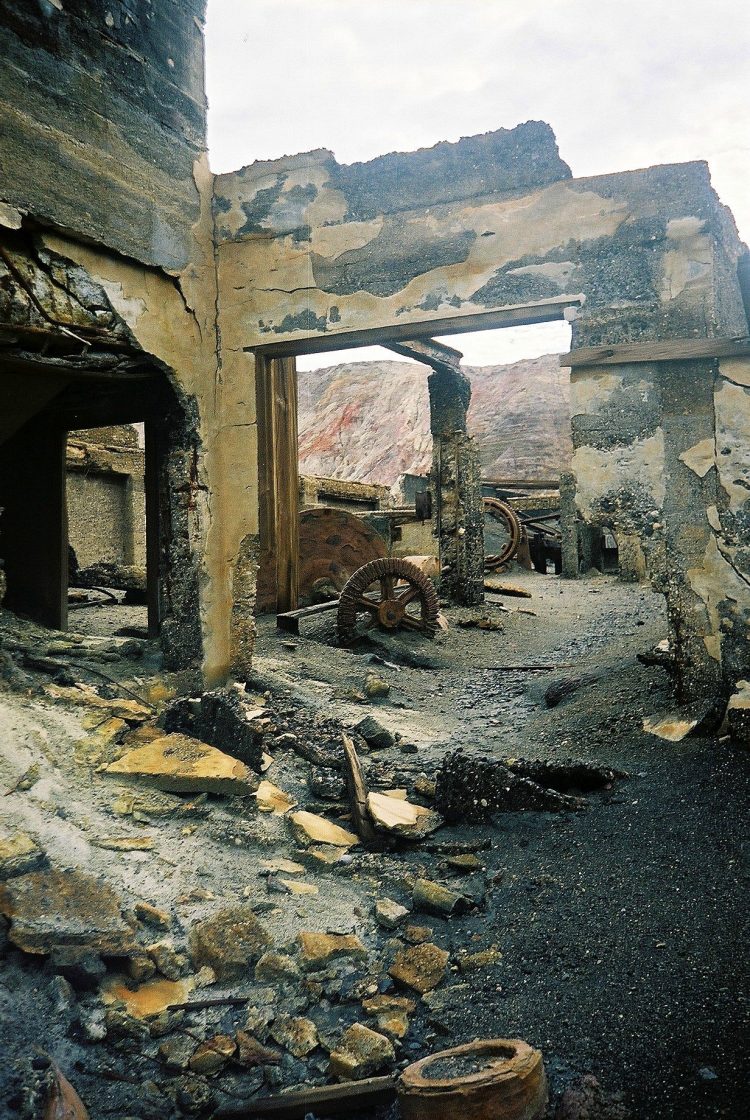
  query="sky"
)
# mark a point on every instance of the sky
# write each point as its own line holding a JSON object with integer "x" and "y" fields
{"x": 624, "y": 84}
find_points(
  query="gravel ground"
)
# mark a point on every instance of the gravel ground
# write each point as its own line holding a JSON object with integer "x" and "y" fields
{"x": 620, "y": 928}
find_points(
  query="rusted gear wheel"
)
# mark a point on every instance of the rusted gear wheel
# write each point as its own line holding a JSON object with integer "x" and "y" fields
{"x": 506, "y": 534}
{"x": 372, "y": 591}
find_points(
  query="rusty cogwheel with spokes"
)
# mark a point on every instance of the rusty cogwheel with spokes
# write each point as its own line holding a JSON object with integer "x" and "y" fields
{"x": 389, "y": 593}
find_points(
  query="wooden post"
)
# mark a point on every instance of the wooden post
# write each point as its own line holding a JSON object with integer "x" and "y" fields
{"x": 278, "y": 500}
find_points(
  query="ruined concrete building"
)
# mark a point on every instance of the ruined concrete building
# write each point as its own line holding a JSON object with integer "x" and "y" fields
{"x": 137, "y": 286}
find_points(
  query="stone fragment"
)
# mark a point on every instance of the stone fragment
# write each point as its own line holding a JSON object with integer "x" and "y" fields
{"x": 182, "y": 764}
{"x": 150, "y": 999}
{"x": 434, "y": 898}
{"x": 140, "y": 967}
{"x": 485, "y": 958}
{"x": 167, "y": 960}
{"x": 391, "y": 1013}
{"x": 18, "y": 855}
{"x": 375, "y": 687}
{"x": 120, "y": 708}
{"x": 309, "y": 827}
{"x": 425, "y": 787}
{"x": 287, "y": 866}
{"x": 64, "y": 908}
{"x": 297, "y": 1035}
{"x": 151, "y": 915}
{"x": 212, "y": 1055}
{"x": 464, "y": 863}
{"x": 362, "y": 1052}
{"x": 673, "y": 728}
{"x": 294, "y": 886}
{"x": 225, "y": 718}
{"x": 738, "y": 714}
{"x": 317, "y": 949}
{"x": 271, "y": 799}
{"x": 327, "y": 853}
{"x": 389, "y": 914}
{"x": 415, "y": 935}
{"x": 250, "y": 1052}
{"x": 229, "y": 942}
{"x": 401, "y": 818}
{"x": 374, "y": 734}
{"x": 276, "y": 966}
{"x": 420, "y": 967}
{"x": 177, "y": 1051}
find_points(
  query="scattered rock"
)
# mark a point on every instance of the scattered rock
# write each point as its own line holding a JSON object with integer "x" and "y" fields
{"x": 229, "y": 942}
{"x": 167, "y": 960}
{"x": 401, "y": 818}
{"x": 152, "y": 916}
{"x": 391, "y": 1012}
{"x": 317, "y": 949}
{"x": 297, "y": 1035}
{"x": 276, "y": 966}
{"x": 212, "y": 1055}
{"x": 362, "y": 1052}
{"x": 18, "y": 855}
{"x": 326, "y": 783}
{"x": 177, "y": 762}
{"x": 464, "y": 864}
{"x": 375, "y": 687}
{"x": 130, "y": 710}
{"x": 673, "y": 728}
{"x": 374, "y": 734}
{"x": 177, "y": 1051}
{"x": 415, "y": 935}
{"x": 140, "y": 967}
{"x": 738, "y": 714}
{"x": 271, "y": 799}
{"x": 421, "y": 967}
{"x": 250, "y": 1052}
{"x": 287, "y": 866}
{"x": 433, "y": 898}
{"x": 472, "y": 962}
{"x": 389, "y": 914}
{"x": 309, "y": 827}
{"x": 54, "y": 908}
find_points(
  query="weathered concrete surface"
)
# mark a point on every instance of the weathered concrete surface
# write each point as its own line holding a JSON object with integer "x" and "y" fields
{"x": 134, "y": 76}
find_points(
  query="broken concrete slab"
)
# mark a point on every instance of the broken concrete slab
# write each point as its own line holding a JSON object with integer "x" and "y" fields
{"x": 390, "y": 914}
{"x": 318, "y": 948}
{"x": 398, "y": 817}
{"x": 55, "y": 908}
{"x": 229, "y": 942}
{"x": 296, "y": 1034}
{"x": 130, "y": 710}
{"x": 224, "y": 718}
{"x": 271, "y": 799}
{"x": 421, "y": 967}
{"x": 362, "y": 1052}
{"x": 673, "y": 728}
{"x": 18, "y": 855}
{"x": 212, "y": 1055}
{"x": 311, "y": 828}
{"x": 181, "y": 764}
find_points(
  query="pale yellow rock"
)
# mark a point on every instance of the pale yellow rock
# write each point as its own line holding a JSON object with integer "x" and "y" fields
{"x": 390, "y": 814}
{"x": 399, "y": 794}
{"x": 297, "y": 1035}
{"x": 18, "y": 854}
{"x": 310, "y": 827}
{"x": 150, "y": 998}
{"x": 129, "y": 710}
{"x": 362, "y": 1052}
{"x": 271, "y": 799}
{"x": 180, "y": 763}
{"x": 326, "y": 853}
{"x": 212, "y": 1054}
{"x": 295, "y": 887}
{"x": 317, "y": 948}
{"x": 672, "y": 728}
{"x": 287, "y": 866}
{"x": 421, "y": 967}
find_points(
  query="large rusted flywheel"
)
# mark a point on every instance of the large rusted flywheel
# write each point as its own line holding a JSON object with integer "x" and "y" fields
{"x": 389, "y": 593}
{"x": 504, "y": 531}
{"x": 333, "y": 544}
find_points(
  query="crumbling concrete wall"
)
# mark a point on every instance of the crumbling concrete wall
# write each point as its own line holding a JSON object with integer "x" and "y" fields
{"x": 309, "y": 253}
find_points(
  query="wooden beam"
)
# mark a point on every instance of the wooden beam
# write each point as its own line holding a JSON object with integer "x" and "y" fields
{"x": 328, "y": 1100}
{"x": 429, "y": 351}
{"x": 666, "y": 350}
{"x": 514, "y": 315}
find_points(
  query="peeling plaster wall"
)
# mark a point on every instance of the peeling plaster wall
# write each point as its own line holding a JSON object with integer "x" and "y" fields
{"x": 308, "y": 250}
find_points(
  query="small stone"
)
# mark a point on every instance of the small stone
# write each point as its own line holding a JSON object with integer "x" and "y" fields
{"x": 229, "y": 942}
{"x": 276, "y": 966}
{"x": 212, "y": 1055}
{"x": 415, "y": 935}
{"x": 375, "y": 687}
{"x": 258, "y": 1020}
{"x": 121, "y": 1025}
{"x": 374, "y": 734}
{"x": 176, "y": 1052}
{"x": 401, "y": 818}
{"x": 309, "y": 827}
{"x": 151, "y": 916}
{"x": 362, "y": 1053}
{"x": 470, "y": 962}
{"x": 271, "y": 799}
{"x": 389, "y": 914}
{"x": 250, "y": 1052}
{"x": 194, "y": 1096}
{"x": 297, "y": 1035}
{"x": 706, "y": 1073}
{"x": 464, "y": 864}
{"x": 391, "y": 1013}
{"x": 433, "y": 898}
{"x": 407, "y": 747}
{"x": 18, "y": 855}
{"x": 317, "y": 949}
{"x": 140, "y": 967}
{"x": 425, "y": 787}
{"x": 421, "y": 967}
{"x": 168, "y": 961}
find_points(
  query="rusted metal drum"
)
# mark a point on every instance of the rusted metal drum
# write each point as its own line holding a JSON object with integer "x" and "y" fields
{"x": 491, "y": 1079}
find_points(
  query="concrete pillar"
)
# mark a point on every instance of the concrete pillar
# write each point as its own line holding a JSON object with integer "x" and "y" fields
{"x": 569, "y": 525}
{"x": 457, "y": 481}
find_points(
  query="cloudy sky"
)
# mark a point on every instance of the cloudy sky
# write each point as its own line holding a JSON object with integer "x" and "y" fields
{"x": 624, "y": 84}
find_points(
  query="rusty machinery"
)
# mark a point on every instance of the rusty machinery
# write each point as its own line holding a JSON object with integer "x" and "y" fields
{"x": 390, "y": 593}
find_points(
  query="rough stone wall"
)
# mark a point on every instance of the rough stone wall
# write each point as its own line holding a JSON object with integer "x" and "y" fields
{"x": 110, "y": 96}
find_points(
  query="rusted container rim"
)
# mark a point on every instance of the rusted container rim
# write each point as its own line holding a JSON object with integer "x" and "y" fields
{"x": 513, "y": 1058}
